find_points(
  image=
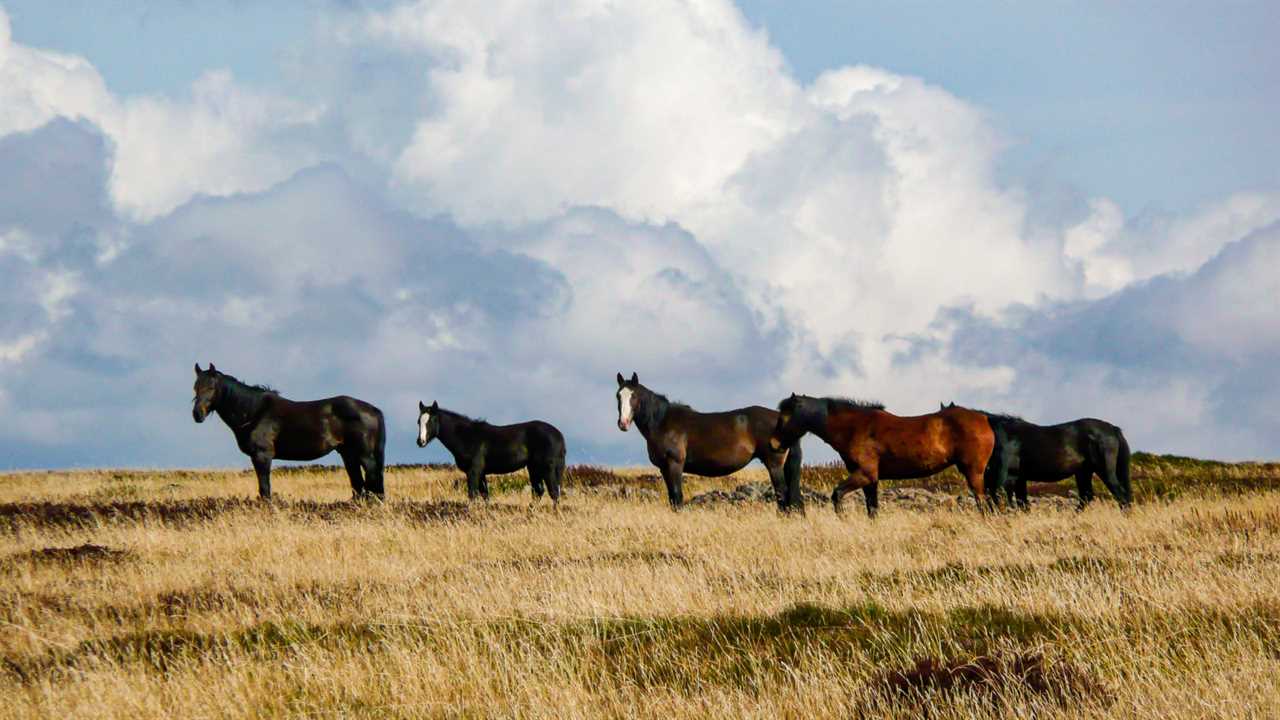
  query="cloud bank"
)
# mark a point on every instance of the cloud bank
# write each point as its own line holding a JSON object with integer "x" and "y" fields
{"x": 501, "y": 207}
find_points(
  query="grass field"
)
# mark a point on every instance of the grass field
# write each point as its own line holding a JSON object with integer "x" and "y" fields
{"x": 159, "y": 594}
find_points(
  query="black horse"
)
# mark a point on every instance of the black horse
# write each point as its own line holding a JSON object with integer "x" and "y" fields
{"x": 479, "y": 448}
{"x": 1049, "y": 453}
{"x": 681, "y": 439}
{"x": 268, "y": 426}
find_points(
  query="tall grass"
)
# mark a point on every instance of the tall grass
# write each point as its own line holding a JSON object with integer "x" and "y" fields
{"x": 159, "y": 594}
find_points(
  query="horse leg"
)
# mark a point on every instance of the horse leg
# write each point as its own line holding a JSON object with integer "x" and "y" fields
{"x": 536, "y": 483}
{"x": 996, "y": 477}
{"x": 791, "y": 473}
{"x": 474, "y": 473}
{"x": 859, "y": 477}
{"x": 871, "y": 493}
{"x": 1084, "y": 486}
{"x": 352, "y": 463}
{"x": 673, "y": 474}
{"x": 780, "y": 491}
{"x": 262, "y": 466}
{"x": 373, "y": 476}
{"x": 1020, "y": 482}
{"x": 484, "y": 486}
{"x": 976, "y": 486}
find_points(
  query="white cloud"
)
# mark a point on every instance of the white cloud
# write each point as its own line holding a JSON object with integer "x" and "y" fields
{"x": 225, "y": 139}
{"x": 1116, "y": 252}
{"x": 646, "y": 108}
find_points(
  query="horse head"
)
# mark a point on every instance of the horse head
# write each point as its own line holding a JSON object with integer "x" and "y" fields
{"x": 208, "y": 383}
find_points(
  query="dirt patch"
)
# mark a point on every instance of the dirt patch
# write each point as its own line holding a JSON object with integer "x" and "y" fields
{"x": 87, "y": 552}
{"x": 995, "y": 676}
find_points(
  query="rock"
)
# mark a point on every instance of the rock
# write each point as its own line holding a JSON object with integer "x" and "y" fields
{"x": 751, "y": 493}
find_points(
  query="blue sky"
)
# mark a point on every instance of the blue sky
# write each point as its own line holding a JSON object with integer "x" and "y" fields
{"x": 1005, "y": 204}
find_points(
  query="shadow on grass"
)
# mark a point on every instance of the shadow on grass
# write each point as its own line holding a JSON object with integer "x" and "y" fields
{"x": 981, "y": 648}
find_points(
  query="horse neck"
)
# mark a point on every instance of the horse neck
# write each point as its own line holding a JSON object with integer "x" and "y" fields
{"x": 238, "y": 404}
{"x": 453, "y": 431}
{"x": 650, "y": 411}
{"x": 834, "y": 433}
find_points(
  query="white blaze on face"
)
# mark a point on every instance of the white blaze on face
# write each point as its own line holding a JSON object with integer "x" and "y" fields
{"x": 423, "y": 419}
{"x": 624, "y": 408}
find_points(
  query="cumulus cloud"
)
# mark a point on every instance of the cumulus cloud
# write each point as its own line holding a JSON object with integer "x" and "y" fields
{"x": 223, "y": 139}
{"x": 500, "y": 207}
{"x": 1185, "y": 362}
{"x": 319, "y": 284}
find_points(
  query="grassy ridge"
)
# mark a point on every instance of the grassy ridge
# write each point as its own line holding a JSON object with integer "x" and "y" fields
{"x": 153, "y": 594}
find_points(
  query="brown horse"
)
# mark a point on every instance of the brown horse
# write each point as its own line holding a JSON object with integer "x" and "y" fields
{"x": 877, "y": 445}
{"x": 716, "y": 444}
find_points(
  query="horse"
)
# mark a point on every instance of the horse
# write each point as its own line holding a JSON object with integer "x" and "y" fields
{"x": 1049, "y": 453}
{"x": 681, "y": 439}
{"x": 479, "y": 448}
{"x": 876, "y": 445}
{"x": 270, "y": 427}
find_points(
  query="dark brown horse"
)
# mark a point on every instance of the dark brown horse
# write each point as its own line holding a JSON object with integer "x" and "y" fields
{"x": 1049, "y": 453}
{"x": 681, "y": 439}
{"x": 268, "y": 427}
{"x": 876, "y": 445}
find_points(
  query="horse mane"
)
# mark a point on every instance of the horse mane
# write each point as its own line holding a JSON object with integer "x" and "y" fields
{"x": 653, "y": 407}
{"x": 465, "y": 418}
{"x": 241, "y": 402}
{"x": 246, "y": 386}
{"x": 846, "y": 403}
{"x": 1001, "y": 417}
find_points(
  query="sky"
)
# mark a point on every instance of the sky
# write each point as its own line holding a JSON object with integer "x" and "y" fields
{"x": 1057, "y": 210}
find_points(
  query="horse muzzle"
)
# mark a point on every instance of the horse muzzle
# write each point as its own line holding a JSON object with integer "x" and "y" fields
{"x": 623, "y": 425}
{"x": 199, "y": 414}
{"x": 775, "y": 443}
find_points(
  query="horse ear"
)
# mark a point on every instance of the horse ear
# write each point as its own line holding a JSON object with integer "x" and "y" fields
{"x": 793, "y": 396}
{"x": 421, "y": 407}
{"x": 212, "y": 369}
{"x": 635, "y": 380}
{"x": 435, "y": 404}
{"x": 199, "y": 372}
{"x": 621, "y": 382}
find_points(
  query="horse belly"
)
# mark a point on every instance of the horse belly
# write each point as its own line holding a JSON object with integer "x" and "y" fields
{"x": 304, "y": 443}
{"x": 894, "y": 468}
{"x": 720, "y": 454}
{"x": 714, "y": 468}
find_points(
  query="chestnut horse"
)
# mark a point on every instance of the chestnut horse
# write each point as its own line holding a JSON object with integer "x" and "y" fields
{"x": 269, "y": 427}
{"x": 681, "y": 439}
{"x": 877, "y": 445}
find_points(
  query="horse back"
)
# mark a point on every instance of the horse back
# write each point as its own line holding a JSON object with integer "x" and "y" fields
{"x": 717, "y": 443}
{"x": 917, "y": 445}
{"x": 315, "y": 427}
{"x": 1053, "y": 452}
{"x": 510, "y": 447}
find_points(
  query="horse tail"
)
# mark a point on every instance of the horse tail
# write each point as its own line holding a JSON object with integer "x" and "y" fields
{"x": 380, "y": 457}
{"x": 1122, "y": 469}
{"x": 557, "y": 467}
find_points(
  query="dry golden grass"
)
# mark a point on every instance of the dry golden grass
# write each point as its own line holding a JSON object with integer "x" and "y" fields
{"x": 619, "y": 607}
